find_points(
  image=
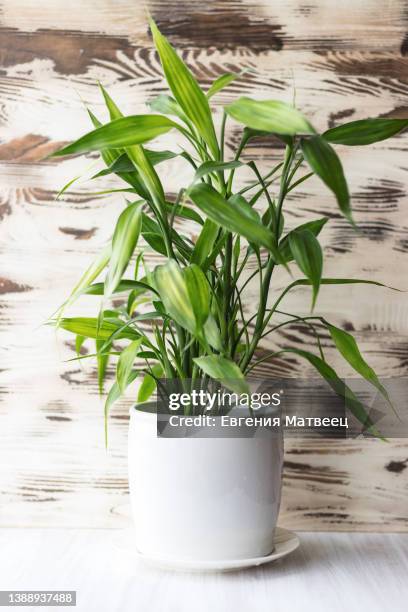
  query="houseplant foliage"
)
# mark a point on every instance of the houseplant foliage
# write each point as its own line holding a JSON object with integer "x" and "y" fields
{"x": 198, "y": 327}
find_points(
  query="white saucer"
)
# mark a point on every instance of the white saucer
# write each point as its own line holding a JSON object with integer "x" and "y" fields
{"x": 285, "y": 542}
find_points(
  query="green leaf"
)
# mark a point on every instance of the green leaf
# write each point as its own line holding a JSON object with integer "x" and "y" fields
{"x": 308, "y": 255}
{"x": 365, "y": 131}
{"x": 147, "y": 172}
{"x": 102, "y": 360}
{"x": 231, "y": 218}
{"x": 270, "y": 219}
{"x": 168, "y": 106}
{"x": 210, "y": 166}
{"x": 145, "y": 180}
{"x": 88, "y": 327}
{"x": 95, "y": 121}
{"x": 348, "y": 347}
{"x": 225, "y": 370}
{"x": 114, "y": 112}
{"x": 236, "y": 251}
{"x": 269, "y": 116}
{"x": 185, "y": 295}
{"x": 125, "y": 363}
{"x": 152, "y": 235}
{"x": 315, "y": 227}
{"x": 114, "y": 394}
{"x": 91, "y": 273}
{"x": 345, "y": 281}
{"x": 198, "y": 290}
{"x": 170, "y": 283}
{"x": 135, "y": 298}
{"x": 185, "y": 212}
{"x": 149, "y": 225}
{"x": 177, "y": 287}
{"x": 301, "y": 282}
{"x": 79, "y": 340}
{"x": 124, "y": 164}
{"x": 212, "y": 333}
{"x": 186, "y": 90}
{"x": 110, "y": 155}
{"x": 221, "y": 82}
{"x": 244, "y": 206}
{"x": 120, "y": 133}
{"x": 157, "y": 157}
{"x": 338, "y": 386}
{"x": 149, "y": 383}
{"x": 205, "y": 242}
{"x": 324, "y": 161}
{"x": 156, "y": 242}
{"x": 127, "y": 284}
{"x": 68, "y": 185}
{"x": 124, "y": 241}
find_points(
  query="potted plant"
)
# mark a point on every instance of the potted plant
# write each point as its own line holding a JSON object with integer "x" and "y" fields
{"x": 209, "y": 498}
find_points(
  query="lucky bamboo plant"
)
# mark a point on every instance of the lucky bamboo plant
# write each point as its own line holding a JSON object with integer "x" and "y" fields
{"x": 198, "y": 325}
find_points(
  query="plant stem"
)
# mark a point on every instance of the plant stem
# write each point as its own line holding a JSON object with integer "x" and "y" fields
{"x": 241, "y": 146}
{"x": 227, "y": 285}
{"x": 260, "y": 320}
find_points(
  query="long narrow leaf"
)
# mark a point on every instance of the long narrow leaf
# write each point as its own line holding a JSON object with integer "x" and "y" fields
{"x": 185, "y": 212}
{"x": 199, "y": 293}
{"x": 123, "y": 132}
{"x": 185, "y": 89}
{"x": 245, "y": 207}
{"x": 308, "y": 255}
{"x": 124, "y": 241}
{"x": 124, "y": 164}
{"x": 102, "y": 360}
{"x": 149, "y": 383}
{"x": 140, "y": 159}
{"x": 209, "y": 167}
{"x": 365, "y": 131}
{"x": 205, "y": 242}
{"x": 88, "y": 327}
{"x": 269, "y": 116}
{"x": 125, "y": 363}
{"x": 339, "y": 387}
{"x": 231, "y": 218}
{"x": 330, "y": 281}
{"x": 91, "y": 273}
{"x": 114, "y": 394}
{"x": 168, "y": 106}
{"x": 348, "y": 347}
{"x": 225, "y": 370}
{"x": 324, "y": 161}
{"x": 314, "y": 226}
{"x": 109, "y": 156}
{"x": 221, "y": 82}
{"x": 172, "y": 286}
{"x": 124, "y": 285}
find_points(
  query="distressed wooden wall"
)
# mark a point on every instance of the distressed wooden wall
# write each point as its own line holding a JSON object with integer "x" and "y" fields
{"x": 346, "y": 60}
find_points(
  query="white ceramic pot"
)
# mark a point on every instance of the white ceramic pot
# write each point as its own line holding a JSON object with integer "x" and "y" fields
{"x": 203, "y": 498}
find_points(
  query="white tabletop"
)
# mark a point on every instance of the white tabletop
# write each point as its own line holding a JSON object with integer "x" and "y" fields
{"x": 330, "y": 572}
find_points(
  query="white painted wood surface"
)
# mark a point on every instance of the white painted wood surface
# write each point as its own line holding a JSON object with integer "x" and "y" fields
{"x": 328, "y": 573}
{"x": 347, "y": 60}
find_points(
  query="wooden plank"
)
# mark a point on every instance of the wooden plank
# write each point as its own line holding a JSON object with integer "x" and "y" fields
{"x": 260, "y": 24}
{"x": 346, "y": 63}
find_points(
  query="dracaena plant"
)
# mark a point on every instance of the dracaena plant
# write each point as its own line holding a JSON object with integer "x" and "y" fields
{"x": 196, "y": 322}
